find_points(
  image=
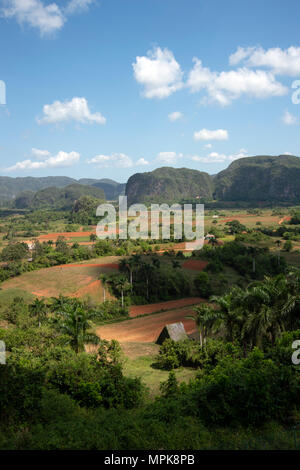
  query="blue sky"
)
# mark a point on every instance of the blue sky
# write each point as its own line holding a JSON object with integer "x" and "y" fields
{"x": 108, "y": 88}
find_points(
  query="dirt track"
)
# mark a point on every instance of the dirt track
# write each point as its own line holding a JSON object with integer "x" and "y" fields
{"x": 145, "y": 329}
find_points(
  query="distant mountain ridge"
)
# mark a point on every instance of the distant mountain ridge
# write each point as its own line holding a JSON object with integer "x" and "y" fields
{"x": 57, "y": 198}
{"x": 10, "y": 187}
{"x": 250, "y": 179}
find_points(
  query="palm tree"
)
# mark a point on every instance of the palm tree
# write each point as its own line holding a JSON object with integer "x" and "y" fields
{"x": 39, "y": 309}
{"x": 104, "y": 279}
{"x": 75, "y": 324}
{"x": 122, "y": 285}
{"x": 147, "y": 270}
{"x": 278, "y": 243}
{"x": 205, "y": 318}
{"x": 264, "y": 306}
{"x": 229, "y": 310}
{"x": 59, "y": 303}
{"x": 252, "y": 252}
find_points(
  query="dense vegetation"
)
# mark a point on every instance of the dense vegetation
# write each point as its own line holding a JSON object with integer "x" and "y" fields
{"x": 260, "y": 179}
{"x": 23, "y": 189}
{"x": 275, "y": 179}
{"x": 56, "y": 396}
{"x": 57, "y": 198}
{"x": 166, "y": 185}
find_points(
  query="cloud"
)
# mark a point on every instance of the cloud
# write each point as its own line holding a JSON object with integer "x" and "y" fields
{"x": 46, "y": 18}
{"x": 158, "y": 72}
{"x": 205, "y": 134}
{"x": 40, "y": 154}
{"x": 169, "y": 158}
{"x": 142, "y": 162}
{"x": 75, "y": 110}
{"x": 280, "y": 61}
{"x": 215, "y": 157}
{"x": 289, "y": 118}
{"x": 75, "y": 6}
{"x": 175, "y": 116}
{"x": 239, "y": 55}
{"x": 224, "y": 87}
{"x": 62, "y": 159}
{"x": 208, "y": 146}
{"x": 115, "y": 160}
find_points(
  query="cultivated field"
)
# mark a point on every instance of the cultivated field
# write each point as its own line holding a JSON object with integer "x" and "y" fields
{"x": 146, "y": 329}
{"x": 78, "y": 280}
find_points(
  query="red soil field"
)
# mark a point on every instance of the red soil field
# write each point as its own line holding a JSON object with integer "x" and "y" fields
{"x": 195, "y": 264}
{"x": 104, "y": 265}
{"x": 54, "y": 236}
{"x": 284, "y": 219}
{"x": 136, "y": 310}
{"x": 145, "y": 329}
{"x": 93, "y": 290}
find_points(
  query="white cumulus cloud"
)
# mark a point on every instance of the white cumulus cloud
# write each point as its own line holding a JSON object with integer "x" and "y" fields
{"x": 215, "y": 157}
{"x": 224, "y": 87}
{"x": 159, "y": 73}
{"x": 75, "y": 6}
{"x": 76, "y": 110}
{"x": 40, "y": 154}
{"x": 168, "y": 158}
{"x": 205, "y": 134}
{"x": 289, "y": 118}
{"x": 46, "y": 18}
{"x": 60, "y": 160}
{"x": 175, "y": 116}
{"x": 115, "y": 160}
{"x": 280, "y": 61}
{"x": 142, "y": 162}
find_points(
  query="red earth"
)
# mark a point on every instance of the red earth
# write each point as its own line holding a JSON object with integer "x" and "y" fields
{"x": 146, "y": 329}
{"x": 88, "y": 265}
{"x": 284, "y": 219}
{"x": 195, "y": 264}
{"x": 137, "y": 310}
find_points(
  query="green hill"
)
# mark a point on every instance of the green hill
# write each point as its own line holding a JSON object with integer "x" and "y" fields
{"x": 111, "y": 188}
{"x": 252, "y": 179}
{"x": 12, "y": 188}
{"x": 57, "y": 198}
{"x": 168, "y": 185}
{"x": 261, "y": 178}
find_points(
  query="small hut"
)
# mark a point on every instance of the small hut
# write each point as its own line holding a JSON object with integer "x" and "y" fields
{"x": 174, "y": 331}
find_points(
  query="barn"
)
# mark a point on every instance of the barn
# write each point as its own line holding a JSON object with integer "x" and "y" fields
{"x": 174, "y": 331}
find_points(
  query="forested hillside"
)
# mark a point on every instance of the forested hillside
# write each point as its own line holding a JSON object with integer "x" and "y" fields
{"x": 260, "y": 178}
{"x": 169, "y": 185}
{"x": 251, "y": 179}
{"x": 57, "y": 198}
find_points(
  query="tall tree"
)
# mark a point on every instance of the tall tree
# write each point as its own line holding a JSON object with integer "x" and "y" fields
{"x": 75, "y": 323}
